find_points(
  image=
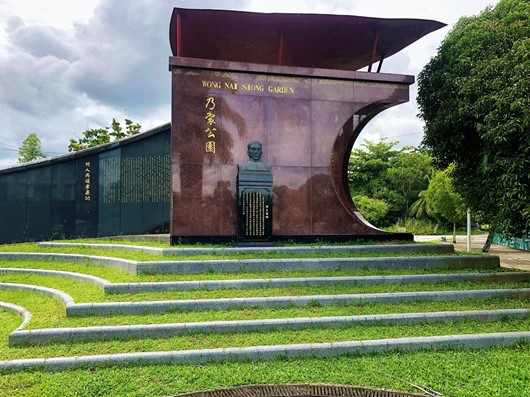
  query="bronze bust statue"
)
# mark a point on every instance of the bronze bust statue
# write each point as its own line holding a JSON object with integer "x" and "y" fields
{"x": 255, "y": 152}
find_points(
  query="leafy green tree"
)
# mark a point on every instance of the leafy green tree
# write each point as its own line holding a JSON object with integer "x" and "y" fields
{"x": 443, "y": 202}
{"x": 395, "y": 177}
{"x": 100, "y": 136}
{"x": 408, "y": 174}
{"x": 373, "y": 210}
{"x": 30, "y": 149}
{"x": 474, "y": 97}
{"x": 368, "y": 164}
{"x": 418, "y": 209}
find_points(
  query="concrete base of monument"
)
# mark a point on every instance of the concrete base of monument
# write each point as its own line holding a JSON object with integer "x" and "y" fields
{"x": 298, "y": 238}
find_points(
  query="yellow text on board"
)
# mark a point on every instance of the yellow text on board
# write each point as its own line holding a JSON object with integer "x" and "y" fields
{"x": 233, "y": 86}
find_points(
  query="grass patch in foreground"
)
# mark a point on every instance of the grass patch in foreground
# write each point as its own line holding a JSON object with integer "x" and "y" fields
{"x": 497, "y": 372}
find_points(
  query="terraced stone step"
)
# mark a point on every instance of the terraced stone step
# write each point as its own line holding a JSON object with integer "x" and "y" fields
{"x": 313, "y": 264}
{"x": 326, "y": 249}
{"x": 117, "y": 288}
{"x": 135, "y": 308}
{"x": 265, "y": 265}
{"x": 125, "y": 332}
{"x": 263, "y": 353}
{"x": 21, "y": 311}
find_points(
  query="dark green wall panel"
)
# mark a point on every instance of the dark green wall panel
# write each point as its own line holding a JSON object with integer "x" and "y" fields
{"x": 120, "y": 189}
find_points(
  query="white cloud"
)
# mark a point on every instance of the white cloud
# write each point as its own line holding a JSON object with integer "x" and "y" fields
{"x": 66, "y": 66}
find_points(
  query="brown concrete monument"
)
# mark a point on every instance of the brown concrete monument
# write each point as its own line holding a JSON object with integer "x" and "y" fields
{"x": 289, "y": 82}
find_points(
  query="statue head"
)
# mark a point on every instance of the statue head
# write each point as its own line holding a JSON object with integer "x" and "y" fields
{"x": 255, "y": 151}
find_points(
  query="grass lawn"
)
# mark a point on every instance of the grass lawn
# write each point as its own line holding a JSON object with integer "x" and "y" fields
{"x": 481, "y": 373}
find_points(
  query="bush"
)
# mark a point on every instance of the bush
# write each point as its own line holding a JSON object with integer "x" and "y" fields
{"x": 418, "y": 226}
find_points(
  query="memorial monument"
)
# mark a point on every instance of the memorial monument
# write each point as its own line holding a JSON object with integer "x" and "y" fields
{"x": 291, "y": 83}
{"x": 254, "y": 192}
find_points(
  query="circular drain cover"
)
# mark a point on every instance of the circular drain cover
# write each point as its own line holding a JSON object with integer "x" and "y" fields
{"x": 300, "y": 391}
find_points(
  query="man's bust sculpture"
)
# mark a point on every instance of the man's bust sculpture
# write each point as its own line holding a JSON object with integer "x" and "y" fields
{"x": 254, "y": 151}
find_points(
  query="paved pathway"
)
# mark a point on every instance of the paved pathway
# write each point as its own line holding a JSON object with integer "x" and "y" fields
{"x": 510, "y": 257}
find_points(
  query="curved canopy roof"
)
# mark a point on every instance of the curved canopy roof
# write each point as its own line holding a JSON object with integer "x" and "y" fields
{"x": 304, "y": 40}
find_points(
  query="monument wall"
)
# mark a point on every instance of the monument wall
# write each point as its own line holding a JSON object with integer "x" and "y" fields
{"x": 307, "y": 120}
{"x": 116, "y": 189}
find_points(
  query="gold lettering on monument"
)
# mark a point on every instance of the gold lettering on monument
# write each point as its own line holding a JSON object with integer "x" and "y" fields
{"x": 255, "y": 212}
{"x": 231, "y": 86}
{"x": 253, "y": 87}
{"x": 211, "y": 84}
{"x": 234, "y": 86}
{"x": 281, "y": 89}
{"x": 87, "y": 181}
{"x": 210, "y": 129}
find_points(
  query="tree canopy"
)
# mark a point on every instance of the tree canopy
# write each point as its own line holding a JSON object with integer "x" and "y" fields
{"x": 474, "y": 98}
{"x": 443, "y": 202}
{"x": 30, "y": 149}
{"x": 384, "y": 181}
{"x": 99, "y": 136}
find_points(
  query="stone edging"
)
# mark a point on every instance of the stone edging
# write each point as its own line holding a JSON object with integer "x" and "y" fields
{"x": 141, "y": 331}
{"x": 402, "y": 248}
{"x": 87, "y": 278}
{"x": 21, "y": 311}
{"x": 261, "y": 353}
{"x": 311, "y": 264}
{"x": 117, "y": 288}
{"x": 134, "y": 308}
{"x": 115, "y": 263}
{"x": 60, "y": 296}
{"x": 265, "y": 265}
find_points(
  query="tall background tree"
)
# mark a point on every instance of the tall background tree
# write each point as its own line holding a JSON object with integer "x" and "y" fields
{"x": 474, "y": 97}
{"x": 30, "y": 149}
{"x": 99, "y": 136}
{"x": 385, "y": 181}
{"x": 443, "y": 202}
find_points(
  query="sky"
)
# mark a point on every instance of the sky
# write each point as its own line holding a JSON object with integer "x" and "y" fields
{"x": 66, "y": 66}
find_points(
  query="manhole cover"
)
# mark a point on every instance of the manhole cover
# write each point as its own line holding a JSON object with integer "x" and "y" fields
{"x": 300, "y": 391}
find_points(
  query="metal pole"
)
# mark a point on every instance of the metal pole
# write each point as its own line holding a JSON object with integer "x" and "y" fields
{"x": 468, "y": 230}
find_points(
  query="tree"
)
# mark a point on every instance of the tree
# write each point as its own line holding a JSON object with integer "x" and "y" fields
{"x": 474, "y": 97}
{"x": 373, "y": 210}
{"x": 443, "y": 202}
{"x": 367, "y": 171}
{"x": 418, "y": 209}
{"x": 99, "y": 136}
{"x": 30, "y": 149}
{"x": 408, "y": 174}
{"x": 394, "y": 177}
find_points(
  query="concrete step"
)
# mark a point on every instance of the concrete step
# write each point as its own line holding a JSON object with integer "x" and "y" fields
{"x": 152, "y": 331}
{"x": 313, "y": 264}
{"x": 324, "y": 249}
{"x": 135, "y": 308}
{"x": 117, "y": 288}
{"x": 312, "y": 282}
{"x": 265, "y": 265}
{"x": 264, "y": 353}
